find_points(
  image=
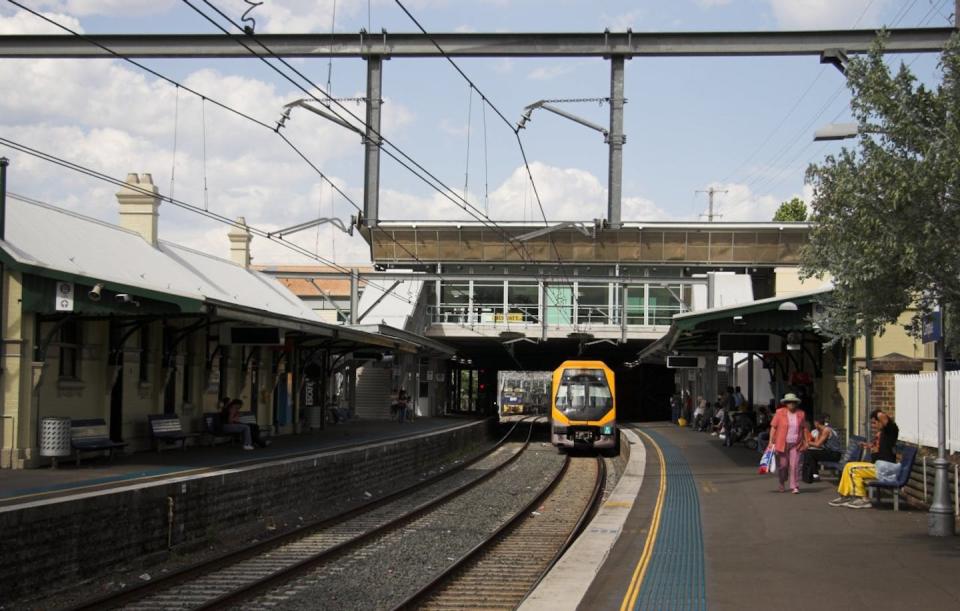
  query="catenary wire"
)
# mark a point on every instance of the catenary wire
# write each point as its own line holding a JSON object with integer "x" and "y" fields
{"x": 203, "y": 98}
{"x": 81, "y": 169}
{"x": 190, "y": 90}
{"x": 421, "y": 172}
{"x": 447, "y": 192}
{"x": 507, "y": 122}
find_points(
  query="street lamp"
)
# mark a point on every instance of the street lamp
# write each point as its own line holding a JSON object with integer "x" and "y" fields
{"x": 836, "y": 131}
{"x": 940, "y": 519}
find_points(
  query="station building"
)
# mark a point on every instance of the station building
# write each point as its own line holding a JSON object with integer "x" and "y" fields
{"x": 112, "y": 322}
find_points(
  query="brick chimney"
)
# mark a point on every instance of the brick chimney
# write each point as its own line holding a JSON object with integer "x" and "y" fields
{"x": 240, "y": 243}
{"x": 138, "y": 206}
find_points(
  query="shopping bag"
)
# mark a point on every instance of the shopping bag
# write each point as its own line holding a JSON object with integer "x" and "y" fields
{"x": 768, "y": 462}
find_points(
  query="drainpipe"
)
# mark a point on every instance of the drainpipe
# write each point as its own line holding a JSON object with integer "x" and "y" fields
{"x": 4, "y": 162}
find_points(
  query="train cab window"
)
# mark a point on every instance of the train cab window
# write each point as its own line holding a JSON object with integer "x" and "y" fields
{"x": 583, "y": 394}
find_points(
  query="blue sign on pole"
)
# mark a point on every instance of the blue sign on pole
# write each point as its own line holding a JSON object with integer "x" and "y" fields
{"x": 932, "y": 327}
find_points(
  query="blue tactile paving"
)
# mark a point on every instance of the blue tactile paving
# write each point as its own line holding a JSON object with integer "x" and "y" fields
{"x": 675, "y": 577}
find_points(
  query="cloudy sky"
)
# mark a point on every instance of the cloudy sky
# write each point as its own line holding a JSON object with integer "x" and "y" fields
{"x": 741, "y": 125}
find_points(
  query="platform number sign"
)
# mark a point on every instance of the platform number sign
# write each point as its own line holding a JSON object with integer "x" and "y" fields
{"x": 64, "y": 298}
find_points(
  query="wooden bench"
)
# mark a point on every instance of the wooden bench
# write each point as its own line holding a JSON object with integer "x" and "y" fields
{"x": 907, "y": 457}
{"x": 166, "y": 429}
{"x": 91, "y": 435}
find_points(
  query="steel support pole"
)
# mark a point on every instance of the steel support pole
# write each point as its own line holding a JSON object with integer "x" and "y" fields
{"x": 615, "y": 141}
{"x": 750, "y": 381}
{"x": 940, "y": 519}
{"x": 371, "y": 160}
{"x": 354, "y": 296}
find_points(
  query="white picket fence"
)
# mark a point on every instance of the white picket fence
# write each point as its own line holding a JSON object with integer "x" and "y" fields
{"x": 916, "y": 399}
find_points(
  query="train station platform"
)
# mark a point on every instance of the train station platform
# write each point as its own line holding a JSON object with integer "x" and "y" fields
{"x": 98, "y": 473}
{"x": 704, "y": 530}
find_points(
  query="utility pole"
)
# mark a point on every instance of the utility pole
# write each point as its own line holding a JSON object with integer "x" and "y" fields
{"x": 710, "y": 193}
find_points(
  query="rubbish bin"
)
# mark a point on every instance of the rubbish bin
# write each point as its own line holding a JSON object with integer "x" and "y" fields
{"x": 54, "y": 438}
{"x": 315, "y": 417}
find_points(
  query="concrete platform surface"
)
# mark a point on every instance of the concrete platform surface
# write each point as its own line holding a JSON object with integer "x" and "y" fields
{"x": 727, "y": 539}
{"x": 96, "y": 472}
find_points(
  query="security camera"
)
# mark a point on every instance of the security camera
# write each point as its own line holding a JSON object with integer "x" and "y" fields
{"x": 94, "y": 293}
{"x": 127, "y": 298}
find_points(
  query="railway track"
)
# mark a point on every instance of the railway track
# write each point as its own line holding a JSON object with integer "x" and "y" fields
{"x": 500, "y": 572}
{"x": 240, "y": 575}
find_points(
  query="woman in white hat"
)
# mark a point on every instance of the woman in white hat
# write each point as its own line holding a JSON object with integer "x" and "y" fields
{"x": 788, "y": 438}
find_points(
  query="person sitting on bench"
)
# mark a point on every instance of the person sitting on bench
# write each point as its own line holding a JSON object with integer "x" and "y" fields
{"x": 852, "y": 490}
{"x": 230, "y": 423}
{"x": 824, "y": 447}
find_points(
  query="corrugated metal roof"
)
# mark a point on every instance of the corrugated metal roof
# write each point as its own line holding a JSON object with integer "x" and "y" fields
{"x": 62, "y": 241}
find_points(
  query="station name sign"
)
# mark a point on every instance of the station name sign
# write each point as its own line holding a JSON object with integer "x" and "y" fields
{"x": 685, "y": 362}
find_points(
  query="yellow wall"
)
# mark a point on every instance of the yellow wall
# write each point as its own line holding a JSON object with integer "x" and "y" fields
{"x": 89, "y": 397}
{"x": 787, "y": 282}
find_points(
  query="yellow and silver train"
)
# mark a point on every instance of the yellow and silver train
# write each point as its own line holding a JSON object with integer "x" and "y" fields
{"x": 584, "y": 407}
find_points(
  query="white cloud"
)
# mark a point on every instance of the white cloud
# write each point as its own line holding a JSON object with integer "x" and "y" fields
{"x": 620, "y": 23}
{"x": 84, "y": 8}
{"x": 823, "y": 14}
{"x": 109, "y": 117}
{"x": 567, "y": 194}
{"x": 712, "y": 3}
{"x": 23, "y": 22}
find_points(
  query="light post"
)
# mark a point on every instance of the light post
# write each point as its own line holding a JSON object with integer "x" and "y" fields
{"x": 940, "y": 518}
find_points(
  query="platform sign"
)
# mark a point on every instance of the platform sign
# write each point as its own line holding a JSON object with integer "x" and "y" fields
{"x": 932, "y": 327}
{"x": 64, "y": 298}
{"x": 685, "y": 362}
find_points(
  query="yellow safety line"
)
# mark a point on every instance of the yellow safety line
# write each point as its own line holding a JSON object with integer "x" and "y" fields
{"x": 630, "y": 599}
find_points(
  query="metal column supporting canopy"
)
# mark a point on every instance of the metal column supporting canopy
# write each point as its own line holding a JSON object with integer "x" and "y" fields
{"x": 371, "y": 159}
{"x": 616, "y": 140}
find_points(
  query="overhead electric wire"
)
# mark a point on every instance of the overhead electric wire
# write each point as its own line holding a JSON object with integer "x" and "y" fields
{"x": 81, "y": 169}
{"x": 507, "y": 122}
{"x": 447, "y": 192}
{"x": 179, "y": 85}
{"x": 756, "y": 176}
{"x": 204, "y": 98}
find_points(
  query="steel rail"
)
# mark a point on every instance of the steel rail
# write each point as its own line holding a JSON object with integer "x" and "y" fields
{"x": 450, "y": 574}
{"x": 204, "y": 567}
{"x": 533, "y": 44}
{"x": 250, "y": 589}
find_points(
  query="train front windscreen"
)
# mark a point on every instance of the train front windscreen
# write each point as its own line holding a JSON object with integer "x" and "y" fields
{"x": 583, "y": 394}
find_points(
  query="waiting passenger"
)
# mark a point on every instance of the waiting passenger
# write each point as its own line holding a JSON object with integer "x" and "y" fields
{"x": 883, "y": 449}
{"x": 700, "y": 415}
{"x": 230, "y": 423}
{"x": 402, "y": 400}
{"x": 788, "y": 438}
{"x": 825, "y": 447}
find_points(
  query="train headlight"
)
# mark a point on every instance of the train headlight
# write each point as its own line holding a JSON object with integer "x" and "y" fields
{"x": 608, "y": 430}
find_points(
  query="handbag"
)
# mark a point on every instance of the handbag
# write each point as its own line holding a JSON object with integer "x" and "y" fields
{"x": 768, "y": 462}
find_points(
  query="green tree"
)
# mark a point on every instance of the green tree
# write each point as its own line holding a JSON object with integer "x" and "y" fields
{"x": 887, "y": 212}
{"x": 793, "y": 210}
